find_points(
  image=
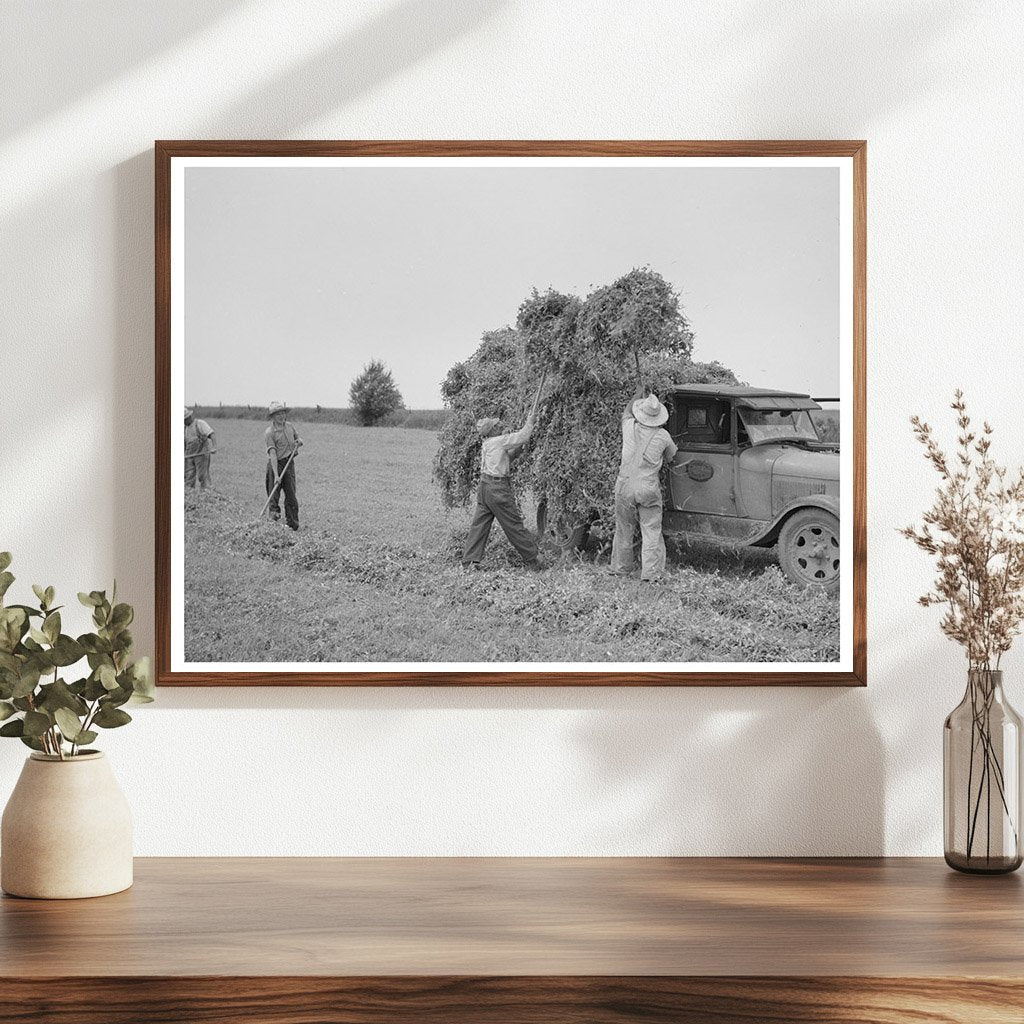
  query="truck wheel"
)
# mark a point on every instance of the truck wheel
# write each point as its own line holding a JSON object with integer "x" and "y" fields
{"x": 809, "y": 549}
{"x": 568, "y": 536}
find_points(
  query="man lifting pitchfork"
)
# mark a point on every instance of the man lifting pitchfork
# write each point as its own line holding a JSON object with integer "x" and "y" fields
{"x": 495, "y": 498}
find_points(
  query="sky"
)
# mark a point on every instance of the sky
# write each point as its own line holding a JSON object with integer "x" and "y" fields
{"x": 296, "y": 277}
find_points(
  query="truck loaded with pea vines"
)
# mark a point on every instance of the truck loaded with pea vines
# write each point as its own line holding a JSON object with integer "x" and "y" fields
{"x": 753, "y": 468}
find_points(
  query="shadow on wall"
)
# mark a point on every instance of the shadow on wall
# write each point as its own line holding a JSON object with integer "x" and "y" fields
{"x": 396, "y": 38}
{"x": 926, "y": 681}
{"x": 49, "y": 51}
{"x": 692, "y": 771}
{"x": 830, "y": 66}
{"x": 132, "y": 379}
{"x": 740, "y": 772}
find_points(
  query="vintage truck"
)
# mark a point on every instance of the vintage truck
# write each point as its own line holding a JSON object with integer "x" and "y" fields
{"x": 752, "y": 470}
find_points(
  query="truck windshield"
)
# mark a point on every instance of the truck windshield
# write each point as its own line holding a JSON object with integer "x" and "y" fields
{"x": 778, "y": 425}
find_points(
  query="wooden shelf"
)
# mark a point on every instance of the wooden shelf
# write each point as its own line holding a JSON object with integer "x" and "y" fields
{"x": 505, "y": 940}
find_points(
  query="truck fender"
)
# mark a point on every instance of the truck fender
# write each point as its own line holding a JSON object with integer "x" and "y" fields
{"x": 770, "y": 534}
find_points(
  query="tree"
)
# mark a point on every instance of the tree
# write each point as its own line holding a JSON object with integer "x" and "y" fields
{"x": 589, "y": 350}
{"x": 373, "y": 394}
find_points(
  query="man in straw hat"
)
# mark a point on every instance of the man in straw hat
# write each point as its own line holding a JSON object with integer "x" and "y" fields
{"x": 198, "y": 448}
{"x": 645, "y": 446}
{"x": 283, "y": 444}
{"x": 495, "y": 498}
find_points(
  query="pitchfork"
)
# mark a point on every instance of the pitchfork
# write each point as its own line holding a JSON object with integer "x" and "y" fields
{"x": 280, "y": 480}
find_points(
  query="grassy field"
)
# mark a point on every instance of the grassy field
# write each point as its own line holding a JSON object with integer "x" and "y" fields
{"x": 373, "y": 575}
{"x": 410, "y": 419}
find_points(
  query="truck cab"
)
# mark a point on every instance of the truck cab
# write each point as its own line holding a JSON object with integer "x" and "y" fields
{"x": 752, "y": 469}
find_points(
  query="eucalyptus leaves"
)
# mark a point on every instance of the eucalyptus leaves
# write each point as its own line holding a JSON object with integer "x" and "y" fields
{"x": 54, "y": 716}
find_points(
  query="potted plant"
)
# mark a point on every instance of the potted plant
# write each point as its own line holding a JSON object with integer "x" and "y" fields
{"x": 975, "y": 530}
{"x": 67, "y": 830}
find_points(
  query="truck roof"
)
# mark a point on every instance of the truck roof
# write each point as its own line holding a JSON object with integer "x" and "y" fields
{"x": 754, "y": 398}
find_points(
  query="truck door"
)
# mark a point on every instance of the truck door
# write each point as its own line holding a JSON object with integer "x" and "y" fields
{"x": 701, "y": 474}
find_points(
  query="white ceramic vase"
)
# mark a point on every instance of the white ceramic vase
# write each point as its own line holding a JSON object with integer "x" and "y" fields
{"x": 66, "y": 831}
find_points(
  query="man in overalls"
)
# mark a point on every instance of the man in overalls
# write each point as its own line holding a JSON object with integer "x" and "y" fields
{"x": 282, "y": 443}
{"x": 495, "y": 498}
{"x": 198, "y": 448}
{"x": 645, "y": 446}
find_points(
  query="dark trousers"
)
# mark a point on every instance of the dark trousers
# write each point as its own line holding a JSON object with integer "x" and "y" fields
{"x": 495, "y": 500}
{"x": 291, "y": 500}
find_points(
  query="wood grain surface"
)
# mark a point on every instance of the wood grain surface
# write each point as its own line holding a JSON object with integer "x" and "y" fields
{"x": 504, "y": 940}
{"x": 166, "y": 150}
{"x": 515, "y": 1000}
{"x": 531, "y": 916}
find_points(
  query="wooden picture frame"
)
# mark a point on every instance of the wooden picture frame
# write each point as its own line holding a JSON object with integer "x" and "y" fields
{"x": 171, "y": 159}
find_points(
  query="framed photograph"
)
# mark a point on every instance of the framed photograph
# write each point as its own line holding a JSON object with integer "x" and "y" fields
{"x": 510, "y": 413}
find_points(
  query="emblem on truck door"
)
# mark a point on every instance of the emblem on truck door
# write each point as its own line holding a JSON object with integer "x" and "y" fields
{"x": 699, "y": 470}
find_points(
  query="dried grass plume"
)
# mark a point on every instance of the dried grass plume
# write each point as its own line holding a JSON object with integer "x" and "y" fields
{"x": 975, "y": 530}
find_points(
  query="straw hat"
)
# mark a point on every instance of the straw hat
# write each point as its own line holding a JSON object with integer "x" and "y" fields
{"x": 649, "y": 411}
{"x": 188, "y": 412}
{"x": 486, "y": 425}
{"x": 276, "y": 407}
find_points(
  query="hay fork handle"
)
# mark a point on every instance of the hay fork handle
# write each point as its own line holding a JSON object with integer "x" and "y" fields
{"x": 540, "y": 389}
{"x": 280, "y": 480}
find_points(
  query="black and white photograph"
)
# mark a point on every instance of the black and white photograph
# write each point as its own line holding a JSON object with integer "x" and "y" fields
{"x": 511, "y": 415}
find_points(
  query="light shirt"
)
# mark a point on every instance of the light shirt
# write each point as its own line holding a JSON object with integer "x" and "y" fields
{"x": 643, "y": 449}
{"x": 495, "y": 451}
{"x": 197, "y": 434}
{"x": 283, "y": 440}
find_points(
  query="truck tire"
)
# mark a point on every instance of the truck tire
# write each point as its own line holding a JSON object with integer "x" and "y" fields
{"x": 809, "y": 549}
{"x": 568, "y": 537}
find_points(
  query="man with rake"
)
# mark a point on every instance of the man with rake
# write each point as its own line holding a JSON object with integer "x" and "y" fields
{"x": 282, "y": 444}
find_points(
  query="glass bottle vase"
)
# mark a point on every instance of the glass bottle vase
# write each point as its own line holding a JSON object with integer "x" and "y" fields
{"x": 981, "y": 773}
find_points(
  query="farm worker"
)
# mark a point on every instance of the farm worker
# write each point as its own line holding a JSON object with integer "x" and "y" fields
{"x": 198, "y": 448}
{"x": 645, "y": 445}
{"x": 282, "y": 442}
{"x": 494, "y": 496}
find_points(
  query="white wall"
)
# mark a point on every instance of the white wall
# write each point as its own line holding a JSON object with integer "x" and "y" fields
{"x": 937, "y": 90}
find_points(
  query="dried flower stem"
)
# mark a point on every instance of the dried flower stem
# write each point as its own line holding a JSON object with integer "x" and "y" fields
{"x": 975, "y": 531}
